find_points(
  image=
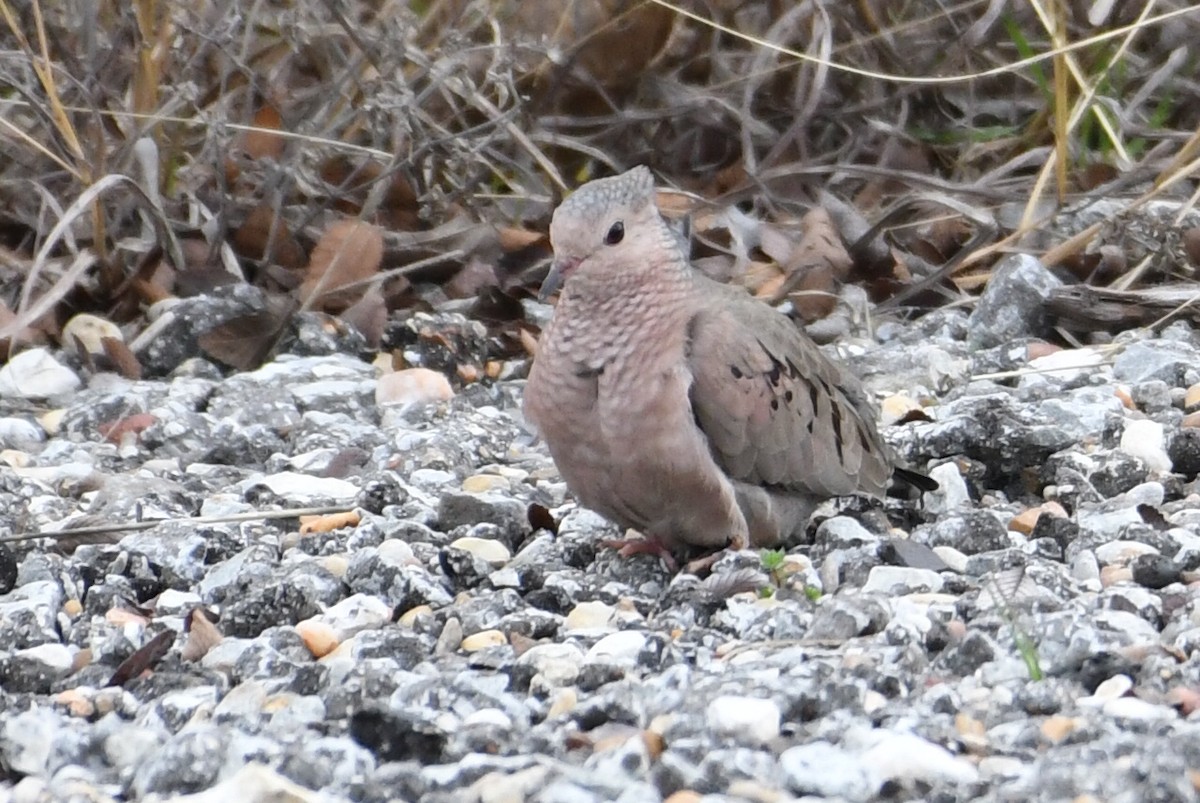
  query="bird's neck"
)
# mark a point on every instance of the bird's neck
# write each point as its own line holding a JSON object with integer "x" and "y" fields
{"x": 650, "y": 308}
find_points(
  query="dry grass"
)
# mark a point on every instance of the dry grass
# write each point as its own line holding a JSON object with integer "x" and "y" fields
{"x": 168, "y": 140}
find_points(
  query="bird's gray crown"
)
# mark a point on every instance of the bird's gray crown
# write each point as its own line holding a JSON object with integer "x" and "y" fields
{"x": 633, "y": 189}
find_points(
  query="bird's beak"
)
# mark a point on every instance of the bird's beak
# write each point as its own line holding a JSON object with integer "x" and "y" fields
{"x": 558, "y": 271}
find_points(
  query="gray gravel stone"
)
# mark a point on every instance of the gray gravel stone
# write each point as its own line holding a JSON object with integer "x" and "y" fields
{"x": 1012, "y": 304}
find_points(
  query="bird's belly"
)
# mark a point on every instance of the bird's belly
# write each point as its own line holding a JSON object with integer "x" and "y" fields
{"x": 651, "y": 469}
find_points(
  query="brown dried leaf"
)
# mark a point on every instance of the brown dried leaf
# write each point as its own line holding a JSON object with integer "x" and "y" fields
{"x": 265, "y": 141}
{"x": 202, "y": 635}
{"x": 540, "y": 518}
{"x": 350, "y": 251}
{"x": 244, "y": 342}
{"x": 117, "y": 431}
{"x": 328, "y": 523}
{"x": 941, "y": 239}
{"x": 369, "y": 316}
{"x": 146, "y": 657}
{"x": 1191, "y": 245}
{"x": 514, "y": 239}
{"x": 265, "y": 236}
{"x": 121, "y": 358}
{"x": 352, "y": 181}
{"x": 813, "y": 270}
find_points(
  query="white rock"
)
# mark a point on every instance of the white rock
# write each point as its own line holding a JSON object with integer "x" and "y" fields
{"x": 492, "y": 717}
{"x": 54, "y": 660}
{"x": 487, "y": 549}
{"x": 621, "y": 648}
{"x": 1085, "y": 567}
{"x": 589, "y": 616}
{"x": 302, "y": 488}
{"x": 244, "y": 701}
{"x": 17, "y": 433}
{"x": 27, "y": 740}
{"x": 395, "y": 552}
{"x": 907, "y": 757}
{"x": 35, "y": 374}
{"x": 1065, "y": 365}
{"x": 557, "y": 664}
{"x": 746, "y": 719}
{"x": 87, "y": 333}
{"x": 952, "y": 493}
{"x": 954, "y": 559}
{"x": 1144, "y": 440}
{"x": 1114, "y": 688}
{"x": 356, "y": 613}
{"x": 175, "y": 603}
{"x": 901, "y": 580}
{"x": 823, "y": 770}
{"x": 1122, "y": 552}
{"x": 1134, "y": 708}
{"x": 1003, "y": 767}
{"x": 254, "y": 783}
{"x": 412, "y": 386}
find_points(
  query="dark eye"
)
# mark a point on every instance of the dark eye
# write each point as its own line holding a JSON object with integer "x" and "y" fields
{"x": 616, "y": 233}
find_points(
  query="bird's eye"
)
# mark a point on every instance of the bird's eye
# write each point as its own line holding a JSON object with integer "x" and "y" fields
{"x": 616, "y": 233}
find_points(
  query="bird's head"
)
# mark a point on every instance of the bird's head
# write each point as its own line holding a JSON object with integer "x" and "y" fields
{"x": 604, "y": 229}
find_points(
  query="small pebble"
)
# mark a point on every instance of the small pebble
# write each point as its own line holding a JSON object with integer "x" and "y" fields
{"x": 591, "y": 615}
{"x": 412, "y": 386}
{"x": 621, "y": 648}
{"x": 87, "y": 333}
{"x": 1144, "y": 440}
{"x": 487, "y": 549}
{"x": 35, "y": 374}
{"x": 320, "y": 637}
{"x": 747, "y": 719}
{"x": 483, "y": 640}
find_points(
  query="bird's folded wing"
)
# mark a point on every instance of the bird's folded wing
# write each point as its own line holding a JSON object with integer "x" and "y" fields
{"x": 774, "y": 409}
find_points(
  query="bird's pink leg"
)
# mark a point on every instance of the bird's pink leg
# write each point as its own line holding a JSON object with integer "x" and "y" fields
{"x": 642, "y": 545}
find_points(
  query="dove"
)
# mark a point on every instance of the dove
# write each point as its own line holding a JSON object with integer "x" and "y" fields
{"x": 681, "y": 407}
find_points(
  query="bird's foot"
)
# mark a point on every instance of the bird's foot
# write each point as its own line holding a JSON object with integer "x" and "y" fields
{"x": 642, "y": 545}
{"x": 704, "y": 563}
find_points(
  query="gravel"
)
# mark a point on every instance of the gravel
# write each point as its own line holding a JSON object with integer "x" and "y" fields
{"x": 465, "y": 637}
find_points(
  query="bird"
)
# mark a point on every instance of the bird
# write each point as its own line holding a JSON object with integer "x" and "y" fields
{"x": 681, "y": 407}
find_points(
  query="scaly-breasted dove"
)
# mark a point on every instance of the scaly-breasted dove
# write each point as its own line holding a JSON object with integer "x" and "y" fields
{"x": 682, "y": 407}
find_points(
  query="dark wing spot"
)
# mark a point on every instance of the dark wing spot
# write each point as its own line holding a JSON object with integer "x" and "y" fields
{"x": 774, "y": 404}
{"x": 788, "y": 396}
{"x": 836, "y": 413}
{"x": 774, "y": 374}
{"x": 737, "y": 372}
{"x": 814, "y": 397}
{"x": 587, "y": 372}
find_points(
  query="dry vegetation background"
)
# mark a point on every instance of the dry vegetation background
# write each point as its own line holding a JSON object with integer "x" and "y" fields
{"x": 366, "y": 158}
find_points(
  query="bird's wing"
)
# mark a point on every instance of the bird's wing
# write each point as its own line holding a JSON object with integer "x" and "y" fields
{"x": 775, "y": 410}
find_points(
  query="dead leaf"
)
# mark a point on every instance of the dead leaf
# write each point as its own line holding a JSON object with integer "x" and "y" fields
{"x": 814, "y": 270}
{"x": 513, "y": 239}
{"x": 202, "y": 635}
{"x": 328, "y": 523}
{"x": 350, "y": 251}
{"x": 264, "y": 140}
{"x": 369, "y": 316}
{"x": 351, "y": 181}
{"x": 122, "y": 359}
{"x": 265, "y": 236}
{"x": 244, "y": 342}
{"x": 117, "y": 431}
{"x": 144, "y": 658}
